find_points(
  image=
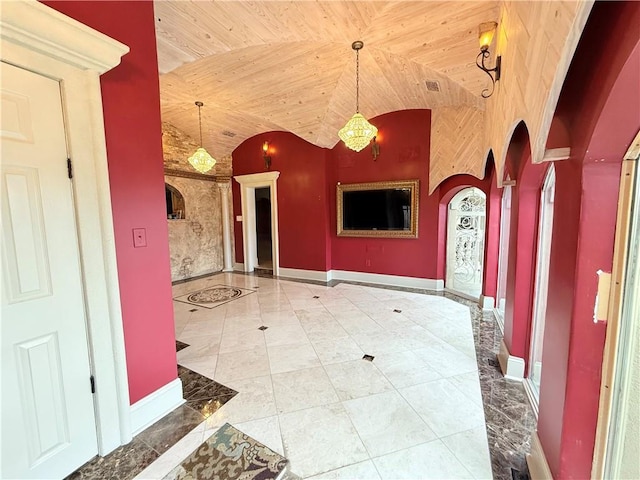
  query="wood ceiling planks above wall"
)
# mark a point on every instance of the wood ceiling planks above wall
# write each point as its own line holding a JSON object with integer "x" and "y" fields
{"x": 261, "y": 66}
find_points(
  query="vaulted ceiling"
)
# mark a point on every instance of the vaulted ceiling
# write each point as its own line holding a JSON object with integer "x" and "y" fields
{"x": 275, "y": 65}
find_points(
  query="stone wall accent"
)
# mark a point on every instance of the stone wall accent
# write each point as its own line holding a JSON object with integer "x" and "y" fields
{"x": 178, "y": 147}
{"x": 195, "y": 242}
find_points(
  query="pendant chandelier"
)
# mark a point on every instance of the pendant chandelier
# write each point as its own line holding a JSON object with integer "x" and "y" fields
{"x": 358, "y": 132}
{"x": 201, "y": 160}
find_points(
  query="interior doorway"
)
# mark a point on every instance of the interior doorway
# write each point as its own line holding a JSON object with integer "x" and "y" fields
{"x": 545, "y": 228}
{"x": 263, "y": 228}
{"x": 465, "y": 242}
{"x": 257, "y": 192}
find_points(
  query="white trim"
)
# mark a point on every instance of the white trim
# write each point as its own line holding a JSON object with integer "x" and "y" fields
{"x": 486, "y": 303}
{"x": 248, "y": 185}
{"x": 537, "y": 462}
{"x": 304, "y": 274}
{"x": 499, "y": 320}
{"x": 148, "y": 410}
{"x": 512, "y": 367}
{"x": 533, "y": 400}
{"x": 555, "y": 154}
{"x": 39, "y": 39}
{"x": 47, "y": 31}
{"x": 392, "y": 280}
{"x": 238, "y": 267}
{"x": 226, "y": 226}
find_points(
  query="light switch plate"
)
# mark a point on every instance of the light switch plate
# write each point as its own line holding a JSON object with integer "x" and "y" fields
{"x": 139, "y": 237}
{"x": 238, "y": 218}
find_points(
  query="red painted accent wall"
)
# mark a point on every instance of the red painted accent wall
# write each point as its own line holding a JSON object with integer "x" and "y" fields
{"x": 131, "y": 102}
{"x": 492, "y": 243}
{"x": 404, "y": 155}
{"x": 307, "y": 197}
{"x": 302, "y": 197}
{"x": 602, "y": 82}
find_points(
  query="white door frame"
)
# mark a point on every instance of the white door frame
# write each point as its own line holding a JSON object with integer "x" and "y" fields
{"x": 39, "y": 39}
{"x": 248, "y": 185}
{"x": 452, "y": 206}
{"x": 540, "y": 290}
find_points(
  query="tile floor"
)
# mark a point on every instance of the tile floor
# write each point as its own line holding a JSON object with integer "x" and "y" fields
{"x": 415, "y": 411}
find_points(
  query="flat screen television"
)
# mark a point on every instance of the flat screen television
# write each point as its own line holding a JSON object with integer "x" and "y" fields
{"x": 382, "y": 209}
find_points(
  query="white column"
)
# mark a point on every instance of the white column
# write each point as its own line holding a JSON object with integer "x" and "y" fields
{"x": 226, "y": 227}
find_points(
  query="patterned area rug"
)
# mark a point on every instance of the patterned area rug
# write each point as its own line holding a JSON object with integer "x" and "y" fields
{"x": 230, "y": 454}
{"x": 214, "y": 296}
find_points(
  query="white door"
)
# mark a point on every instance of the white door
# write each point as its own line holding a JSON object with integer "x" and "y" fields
{"x": 48, "y": 422}
{"x": 465, "y": 242}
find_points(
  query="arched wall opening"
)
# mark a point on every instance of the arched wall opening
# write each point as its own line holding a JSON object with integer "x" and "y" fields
{"x": 601, "y": 84}
{"x": 522, "y": 248}
{"x": 466, "y": 226}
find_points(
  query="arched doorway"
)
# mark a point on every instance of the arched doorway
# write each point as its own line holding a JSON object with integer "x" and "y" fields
{"x": 465, "y": 241}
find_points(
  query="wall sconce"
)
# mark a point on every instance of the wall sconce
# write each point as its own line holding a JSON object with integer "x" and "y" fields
{"x": 266, "y": 156}
{"x": 375, "y": 149}
{"x": 486, "y": 32}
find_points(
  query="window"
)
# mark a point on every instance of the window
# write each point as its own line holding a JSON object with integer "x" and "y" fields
{"x": 175, "y": 202}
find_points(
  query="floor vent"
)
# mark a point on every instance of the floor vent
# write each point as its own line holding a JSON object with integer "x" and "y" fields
{"x": 518, "y": 475}
{"x": 227, "y": 133}
{"x": 493, "y": 362}
{"x": 368, "y": 358}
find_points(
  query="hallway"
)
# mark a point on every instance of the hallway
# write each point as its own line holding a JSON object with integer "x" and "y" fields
{"x": 305, "y": 391}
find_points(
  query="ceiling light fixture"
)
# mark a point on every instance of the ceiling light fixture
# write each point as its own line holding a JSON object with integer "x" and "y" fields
{"x": 486, "y": 32}
{"x": 358, "y": 132}
{"x": 201, "y": 160}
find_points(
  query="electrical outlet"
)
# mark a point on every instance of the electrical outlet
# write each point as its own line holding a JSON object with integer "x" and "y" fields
{"x": 139, "y": 237}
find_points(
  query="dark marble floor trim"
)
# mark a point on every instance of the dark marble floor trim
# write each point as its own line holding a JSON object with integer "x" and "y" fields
{"x": 203, "y": 396}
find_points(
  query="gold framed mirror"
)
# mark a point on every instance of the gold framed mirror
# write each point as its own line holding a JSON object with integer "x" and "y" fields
{"x": 378, "y": 209}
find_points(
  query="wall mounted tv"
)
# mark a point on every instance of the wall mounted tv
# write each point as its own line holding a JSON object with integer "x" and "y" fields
{"x": 381, "y": 209}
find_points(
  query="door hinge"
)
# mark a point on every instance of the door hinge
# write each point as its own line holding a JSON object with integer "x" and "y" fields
{"x": 93, "y": 384}
{"x": 69, "y": 168}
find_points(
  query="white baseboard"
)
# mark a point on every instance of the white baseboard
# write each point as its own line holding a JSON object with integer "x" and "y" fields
{"x": 304, "y": 274}
{"x": 391, "y": 280}
{"x": 238, "y": 267}
{"x": 153, "y": 407}
{"x": 486, "y": 303}
{"x": 537, "y": 462}
{"x": 512, "y": 367}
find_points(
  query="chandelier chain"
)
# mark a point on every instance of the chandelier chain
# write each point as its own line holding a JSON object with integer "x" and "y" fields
{"x": 358, "y": 81}
{"x": 200, "y": 123}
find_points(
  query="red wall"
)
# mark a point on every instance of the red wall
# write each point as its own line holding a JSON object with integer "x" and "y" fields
{"x": 602, "y": 82}
{"x": 404, "y": 155}
{"x": 131, "y": 102}
{"x": 307, "y": 197}
{"x": 302, "y": 197}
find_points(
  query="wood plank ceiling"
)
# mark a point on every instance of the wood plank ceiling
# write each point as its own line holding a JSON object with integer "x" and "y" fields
{"x": 274, "y": 65}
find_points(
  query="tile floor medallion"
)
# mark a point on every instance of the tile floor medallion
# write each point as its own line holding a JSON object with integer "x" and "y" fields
{"x": 214, "y": 296}
{"x": 231, "y": 455}
{"x": 430, "y": 404}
